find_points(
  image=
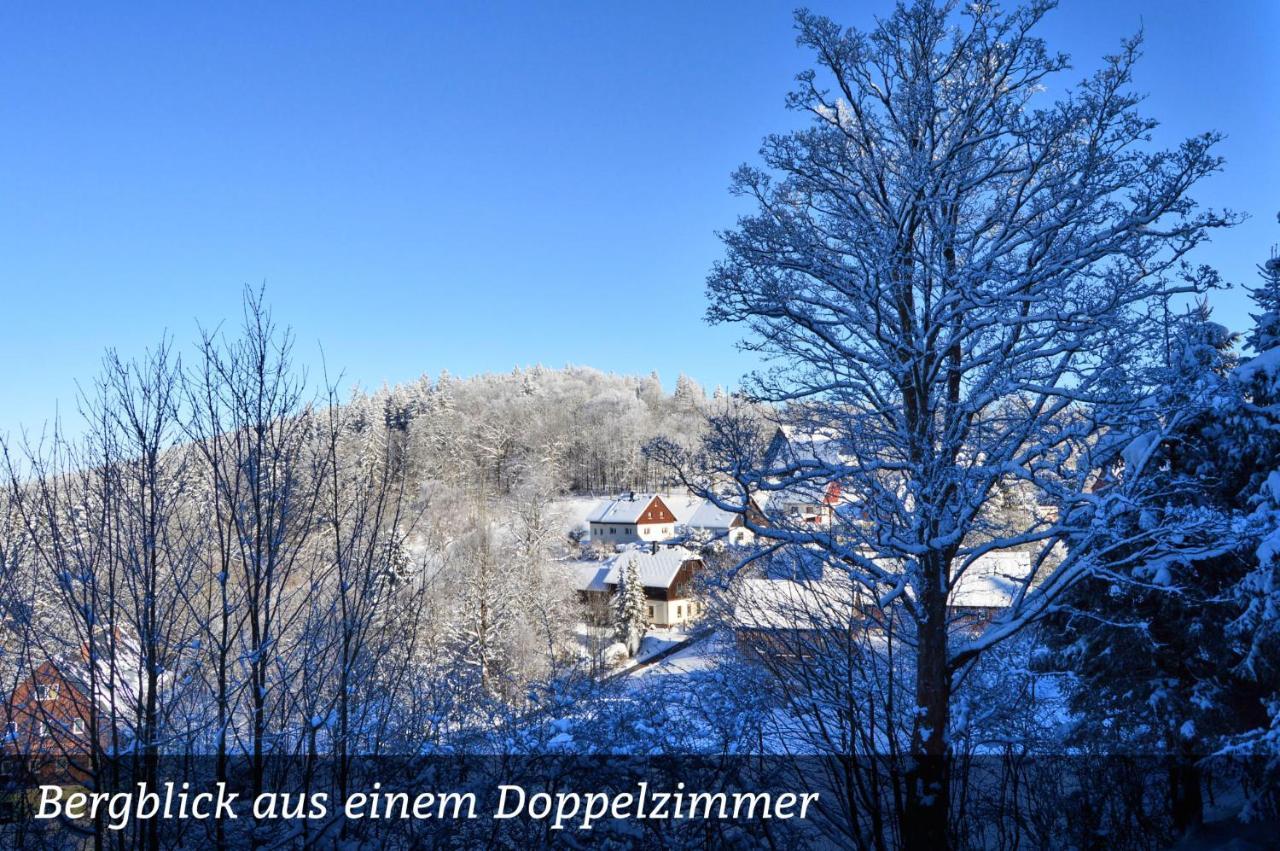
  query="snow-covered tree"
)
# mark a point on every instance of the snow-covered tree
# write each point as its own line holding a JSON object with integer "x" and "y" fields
{"x": 1144, "y": 639}
{"x": 579, "y": 428}
{"x": 650, "y": 389}
{"x": 481, "y": 626}
{"x": 395, "y": 582}
{"x": 629, "y": 607}
{"x": 1265, "y": 334}
{"x": 1178, "y": 654}
{"x": 545, "y": 595}
{"x": 1257, "y": 594}
{"x": 941, "y": 267}
{"x": 688, "y": 394}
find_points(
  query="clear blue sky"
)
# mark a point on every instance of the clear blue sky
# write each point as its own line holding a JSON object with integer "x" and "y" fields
{"x": 468, "y": 186}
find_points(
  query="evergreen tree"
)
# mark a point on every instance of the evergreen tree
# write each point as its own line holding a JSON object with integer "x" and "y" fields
{"x": 1183, "y": 654}
{"x": 393, "y": 586}
{"x": 1144, "y": 642}
{"x": 1266, "y": 331}
{"x": 1256, "y": 629}
{"x": 688, "y": 395}
{"x": 629, "y": 620}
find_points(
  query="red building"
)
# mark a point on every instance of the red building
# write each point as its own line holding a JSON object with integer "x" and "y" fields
{"x": 53, "y": 714}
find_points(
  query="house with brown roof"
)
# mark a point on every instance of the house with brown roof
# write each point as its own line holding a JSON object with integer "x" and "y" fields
{"x": 667, "y": 574}
{"x": 631, "y": 518}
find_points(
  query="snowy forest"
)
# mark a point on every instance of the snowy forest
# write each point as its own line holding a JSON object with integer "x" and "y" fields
{"x": 987, "y": 340}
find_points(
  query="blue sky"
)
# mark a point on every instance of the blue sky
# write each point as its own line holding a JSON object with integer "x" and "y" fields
{"x": 468, "y": 186}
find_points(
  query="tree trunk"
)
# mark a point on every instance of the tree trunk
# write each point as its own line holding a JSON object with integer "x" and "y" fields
{"x": 1186, "y": 797}
{"x": 925, "y": 819}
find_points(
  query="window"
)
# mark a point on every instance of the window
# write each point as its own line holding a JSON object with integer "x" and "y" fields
{"x": 47, "y": 692}
{"x": 679, "y": 611}
{"x": 42, "y": 729}
{"x": 666, "y": 530}
{"x": 11, "y": 728}
{"x": 77, "y": 726}
{"x": 651, "y": 613}
{"x": 612, "y": 530}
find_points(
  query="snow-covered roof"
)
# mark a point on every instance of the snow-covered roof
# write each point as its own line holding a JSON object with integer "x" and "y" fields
{"x": 708, "y": 516}
{"x": 794, "y": 446}
{"x": 115, "y": 683}
{"x": 627, "y": 508}
{"x": 984, "y": 591}
{"x": 763, "y": 603}
{"x": 815, "y": 595}
{"x": 592, "y": 577}
{"x": 683, "y": 506}
{"x": 992, "y": 581}
{"x": 656, "y": 569}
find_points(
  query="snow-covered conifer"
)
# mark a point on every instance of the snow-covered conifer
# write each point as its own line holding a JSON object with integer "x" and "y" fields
{"x": 1143, "y": 638}
{"x": 1257, "y": 594}
{"x": 629, "y": 606}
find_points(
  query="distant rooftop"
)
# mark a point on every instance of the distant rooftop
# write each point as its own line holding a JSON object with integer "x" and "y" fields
{"x": 656, "y": 569}
{"x": 621, "y": 509}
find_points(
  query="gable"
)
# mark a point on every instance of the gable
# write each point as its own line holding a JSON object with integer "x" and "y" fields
{"x": 778, "y": 453}
{"x": 656, "y": 512}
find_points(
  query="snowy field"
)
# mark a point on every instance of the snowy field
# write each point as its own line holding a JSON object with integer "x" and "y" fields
{"x": 572, "y": 512}
{"x": 701, "y": 654}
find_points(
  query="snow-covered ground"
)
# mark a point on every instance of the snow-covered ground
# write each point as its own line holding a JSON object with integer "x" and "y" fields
{"x": 573, "y": 511}
{"x": 700, "y": 655}
{"x": 655, "y": 643}
{"x": 659, "y": 640}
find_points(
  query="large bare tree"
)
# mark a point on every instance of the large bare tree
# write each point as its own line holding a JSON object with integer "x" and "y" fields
{"x": 952, "y": 276}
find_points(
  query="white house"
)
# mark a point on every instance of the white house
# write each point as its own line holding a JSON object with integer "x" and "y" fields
{"x": 634, "y": 518}
{"x": 631, "y": 518}
{"x": 666, "y": 573}
{"x": 718, "y": 524}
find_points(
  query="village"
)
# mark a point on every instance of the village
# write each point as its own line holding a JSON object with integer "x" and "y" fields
{"x": 672, "y": 539}
{"x": 679, "y": 547}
